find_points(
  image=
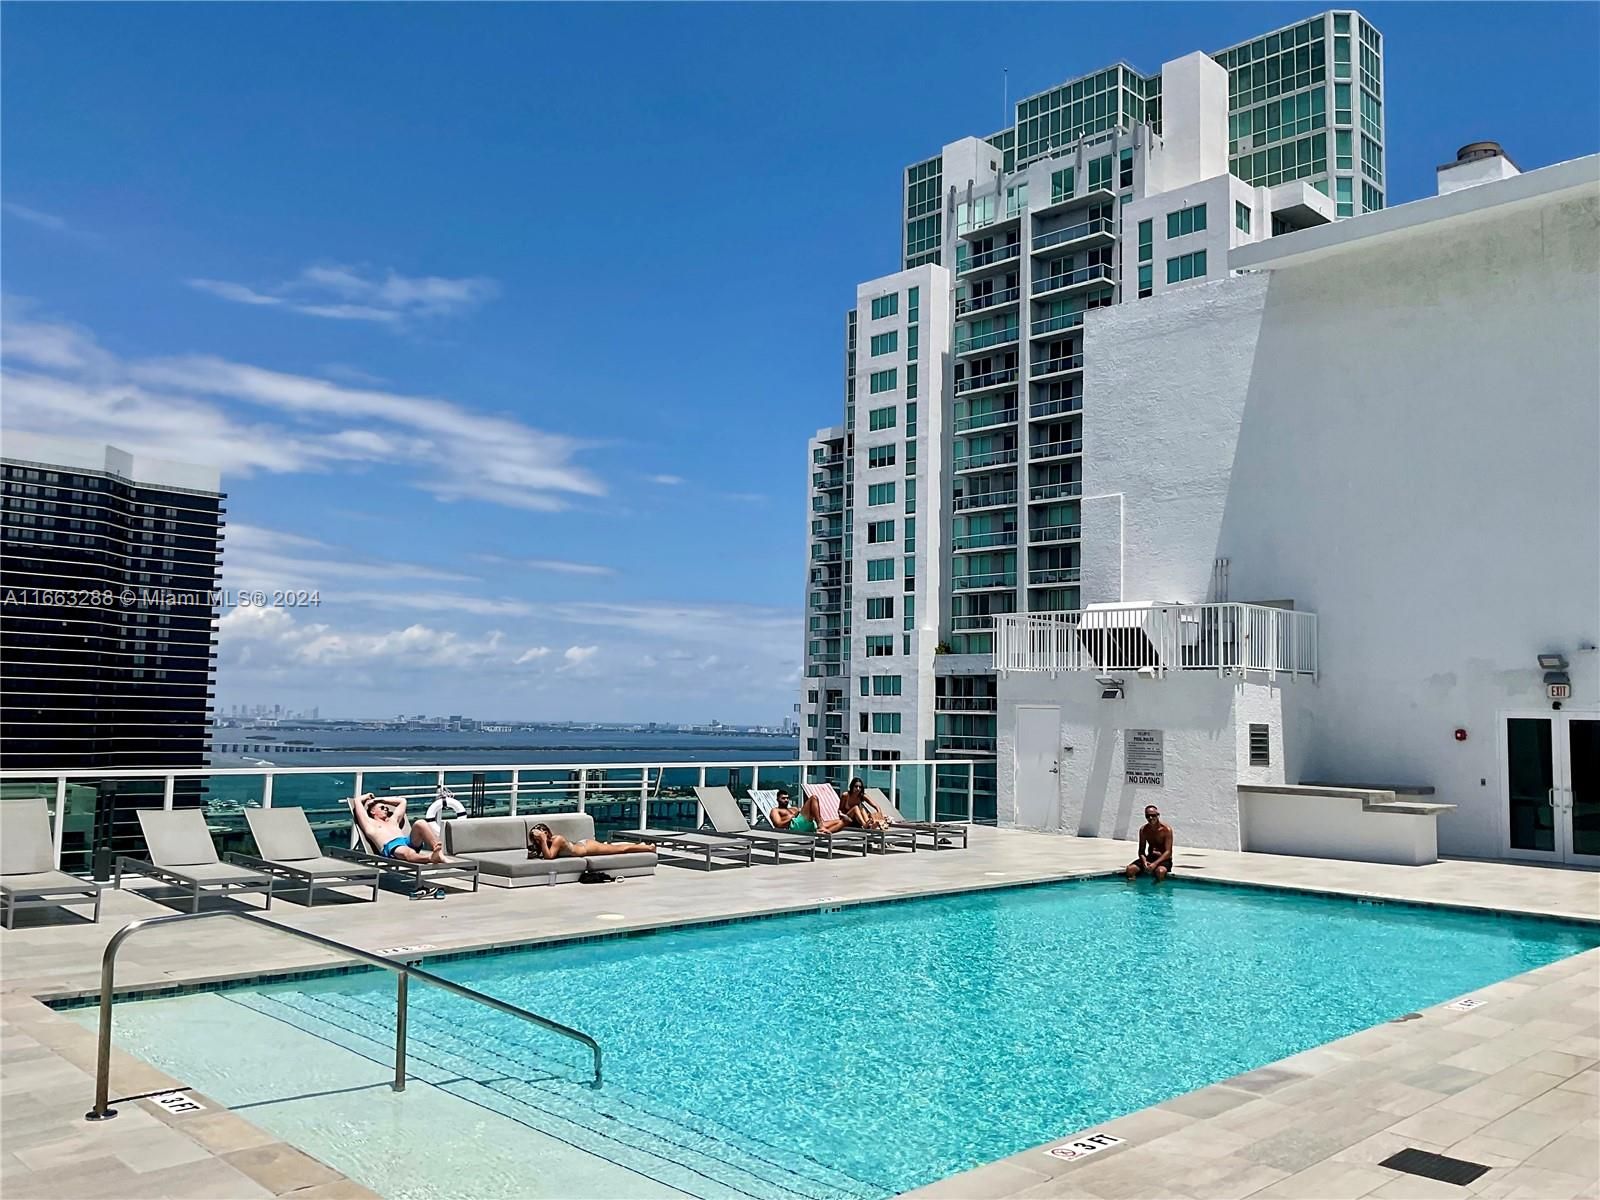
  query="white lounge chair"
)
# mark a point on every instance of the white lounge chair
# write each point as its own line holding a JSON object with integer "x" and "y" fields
{"x": 183, "y": 855}
{"x": 28, "y": 878}
{"x": 287, "y": 847}
{"x": 939, "y": 832}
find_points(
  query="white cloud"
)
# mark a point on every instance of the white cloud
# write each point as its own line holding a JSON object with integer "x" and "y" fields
{"x": 557, "y": 565}
{"x": 250, "y": 633}
{"x": 531, "y": 654}
{"x": 344, "y": 293}
{"x": 34, "y": 217}
{"x": 666, "y": 480}
{"x": 244, "y": 419}
{"x": 579, "y": 654}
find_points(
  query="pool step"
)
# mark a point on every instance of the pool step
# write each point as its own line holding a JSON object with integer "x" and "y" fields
{"x": 687, "y": 1152}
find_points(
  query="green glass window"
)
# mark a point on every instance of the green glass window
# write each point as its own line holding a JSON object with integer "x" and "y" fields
{"x": 1341, "y": 22}
{"x": 885, "y": 685}
{"x": 885, "y": 306}
{"x": 910, "y": 546}
{"x": 1341, "y": 104}
{"x": 883, "y": 381}
{"x": 879, "y": 569}
{"x": 886, "y": 722}
{"x": 1343, "y": 196}
{"x": 1341, "y": 58}
{"x": 1100, "y": 173}
{"x": 911, "y": 420}
{"x": 880, "y": 608}
{"x": 1241, "y": 216}
{"x": 880, "y": 531}
{"x": 1186, "y": 221}
{"x": 885, "y": 343}
{"x": 1061, "y": 185}
{"x": 913, "y": 305}
{"x": 880, "y": 493}
{"x": 1186, "y": 266}
{"x": 880, "y": 645}
{"x": 911, "y": 496}
{"x": 881, "y": 418}
{"x": 880, "y": 456}
{"x": 908, "y": 613}
{"x": 1146, "y": 283}
{"x": 1371, "y": 198}
{"x": 911, "y": 381}
{"x": 911, "y": 458}
{"x": 864, "y": 684}
{"x": 1343, "y": 155}
{"x": 1125, "y": 168}
{"x": 1146, "y": 239}
{"x": 911, "y": 344}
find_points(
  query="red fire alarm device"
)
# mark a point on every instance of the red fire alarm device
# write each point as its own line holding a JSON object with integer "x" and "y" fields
{"x": 1461, "y": 735}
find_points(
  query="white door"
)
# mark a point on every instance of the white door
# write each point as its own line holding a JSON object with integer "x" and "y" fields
{"x": 1038, "y": 767}
{"x": 1551, "y": 786}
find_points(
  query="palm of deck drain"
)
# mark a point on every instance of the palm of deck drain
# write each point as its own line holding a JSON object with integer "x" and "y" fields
{"x": 686, "y": 1151}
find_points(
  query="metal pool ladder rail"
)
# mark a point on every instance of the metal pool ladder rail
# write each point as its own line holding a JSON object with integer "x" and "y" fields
{"x": 403, "y": 971}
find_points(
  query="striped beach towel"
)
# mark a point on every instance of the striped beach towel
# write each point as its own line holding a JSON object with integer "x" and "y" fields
{"x": 827, "y": 799}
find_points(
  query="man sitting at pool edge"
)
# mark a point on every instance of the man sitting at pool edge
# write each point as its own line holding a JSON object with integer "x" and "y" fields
{"x": 1155, "y": 847}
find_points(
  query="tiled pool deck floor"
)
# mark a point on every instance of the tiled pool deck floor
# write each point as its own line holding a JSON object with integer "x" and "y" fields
{"x": 1513, "y": 1085}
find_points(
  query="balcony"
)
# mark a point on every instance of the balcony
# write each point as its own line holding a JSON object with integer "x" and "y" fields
{"x": 1053, "y": 408}
{"x": 976, "y": 304}
{"x": 829, "y": 556}
{"x": 1162, "y": 638}
{"x": 827, "y": 483}
{"x": 982, "y": 383}
{"x": 995, "y": 579}
{"x": 963, "y": 743}
{"x": 989, "y": 259}
{"x": 983, "y": 341}
{"x": 1000, "y": 220}
{"x": 1052, "y": 324}
{"x": 1068, "y": 281}
{"x": 1055, "y": 491}
{"x": 1101, "y": 229}
{"x": 1054, "y": 533}
{"x": 967, "y": 622}
{"x": 1003, "y": 499}
{"x": 989, "y": 458}
{"x": 833, "y": 460}
{"x": 1063, "y": 449}
{"x": 1000, "y": 416}
{"x": 1057, "y": 366}
{"x": 824, "y": 507}
{"x": 980, "y": 704}
{"x": 1053, "y": 576}
{"x": 983, "y": 541}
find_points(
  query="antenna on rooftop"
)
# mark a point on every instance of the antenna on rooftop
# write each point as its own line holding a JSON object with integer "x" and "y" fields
{"x": 1005, "y": 93}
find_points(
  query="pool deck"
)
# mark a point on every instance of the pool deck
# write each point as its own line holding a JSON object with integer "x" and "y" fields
{"x": 1513, "y": 1084}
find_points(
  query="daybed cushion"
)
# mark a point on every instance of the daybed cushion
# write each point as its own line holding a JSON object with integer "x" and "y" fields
{"x": 516, "y": 864}
{"x": 481, "y": 835}
{"x": 620, "y": 862}
{"x": 46, "y": 883}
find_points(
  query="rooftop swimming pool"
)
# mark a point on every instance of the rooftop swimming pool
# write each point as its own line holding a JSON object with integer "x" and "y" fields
{"x": 825, "y": 1055}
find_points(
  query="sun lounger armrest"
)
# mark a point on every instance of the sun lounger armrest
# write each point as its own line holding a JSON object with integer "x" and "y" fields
{"x": 361, "y": 856}
{"x": 240, "y": 859}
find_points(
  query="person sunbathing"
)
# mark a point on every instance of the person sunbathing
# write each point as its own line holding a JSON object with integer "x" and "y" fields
{"x": 543, "y": 843}
{"x": 382, "y": 823}
{"x": 858, "y": 810}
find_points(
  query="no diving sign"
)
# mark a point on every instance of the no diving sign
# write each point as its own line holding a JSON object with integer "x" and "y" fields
{"x": 1082, "y": 1147}
{"x": 1144, "y": 757}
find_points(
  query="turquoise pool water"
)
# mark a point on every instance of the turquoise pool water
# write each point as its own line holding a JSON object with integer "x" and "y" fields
{"x": 863, "y": 1052}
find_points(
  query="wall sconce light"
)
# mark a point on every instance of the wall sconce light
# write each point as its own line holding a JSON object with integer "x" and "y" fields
{"x": 1110, "y": 689}
{"x": 1552, "y": 662}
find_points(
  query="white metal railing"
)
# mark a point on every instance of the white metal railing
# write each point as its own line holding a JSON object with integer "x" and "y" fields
{"x": 998, "y": 416}
{"x": 1003, "y": 336}
{"x": 1160, "y": 638}
{"x": 507, "y": 788}
{"x": 1044, "y": 325}
{"x": 1001, "y": 499}
{"x": 989, "y": 458}
{"x": 1054, "y": 533}
{"x": 1093, "y": 273}
{"x": 989, "y": 580}
{"x": 973, "y": 383}
{"x": 972, "y": 304}
{"x": 1056, "y": 449}
{"x": 1055, "y": 491}
{"x": 1100, "y": 226}
{"x": 980, "y": 541}
{"x": 1053, "y": 576}
{"x": 989, "y": 258}
{"x": 1052, "y": 366}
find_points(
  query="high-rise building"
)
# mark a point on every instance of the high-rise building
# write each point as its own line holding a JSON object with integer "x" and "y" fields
{"x": 951, "y": 493}
{"x": 107, "y": 651}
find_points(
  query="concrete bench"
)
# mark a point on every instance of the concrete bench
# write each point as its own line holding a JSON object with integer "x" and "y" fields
{"x": 1359, "y": 823}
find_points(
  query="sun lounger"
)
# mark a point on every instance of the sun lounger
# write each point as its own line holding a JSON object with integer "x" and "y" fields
{"x": 28, "y": 878}
{"x": 183, "y": 855}
{"x": 692, "y": 844}
{"x": 418, "y": 875}
{"x": 723, "y": 811}
{"x": 829, "y": 805}
{"x": 287, "y": 848}
{"x": 938, "y": 831}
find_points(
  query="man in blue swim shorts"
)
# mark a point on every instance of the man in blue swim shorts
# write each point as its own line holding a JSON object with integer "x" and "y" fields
{"x": 381, "y": 822}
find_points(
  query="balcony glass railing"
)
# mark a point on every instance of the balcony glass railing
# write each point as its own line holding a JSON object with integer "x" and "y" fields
{"x": 1000, "y": 254}
{"x": 965, "y": 743}
{"x": 972, "y": 304}
{"x": 974, "y": 383}
{"x": 983, "y": 541}
{"x": 1054, "y": 533}
{"x": 965, "y": 622}
{"x": 995, "y": 579}
{"x": 989, "y": 458}
{"x": 1060, "y": 404}
{"x": 1094, "y": 273}
{"x": 1055, "y": 491}
{"x": 1056, "y": 449}
{"x": 1054, "y": 366}
{"x": 982, "y": 341}
{"x": 1057, "y": 321}
{"x": 1004, "y": 499}
{"x": 1050, "y": 576}
{"x": 1000, "y": 416}
{"x": 968, "y": 703}
{"x": 1099, "y": 227}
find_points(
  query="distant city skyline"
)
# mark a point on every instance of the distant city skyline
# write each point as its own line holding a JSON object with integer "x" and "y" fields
{"x": 471, "y": 421}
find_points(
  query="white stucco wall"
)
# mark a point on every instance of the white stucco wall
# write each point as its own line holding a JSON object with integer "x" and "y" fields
{"x": 1204, "y": 722}
{"x": 1400, "y": 435}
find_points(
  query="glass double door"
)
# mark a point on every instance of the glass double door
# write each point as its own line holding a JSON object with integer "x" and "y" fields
{"x": 1552, "y": 786}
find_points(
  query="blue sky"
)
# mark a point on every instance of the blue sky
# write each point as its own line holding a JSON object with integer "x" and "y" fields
{"x": 507, "y": 323}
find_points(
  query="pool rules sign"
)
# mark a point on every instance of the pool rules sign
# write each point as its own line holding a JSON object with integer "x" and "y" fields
{"x": 1144, "y": 757}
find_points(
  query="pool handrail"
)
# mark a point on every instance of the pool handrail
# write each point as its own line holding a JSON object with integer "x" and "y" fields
{"x": 102, "y": 1109}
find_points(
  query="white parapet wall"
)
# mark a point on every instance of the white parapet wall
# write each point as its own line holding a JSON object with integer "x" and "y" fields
{"x": 1359, "y": 824}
